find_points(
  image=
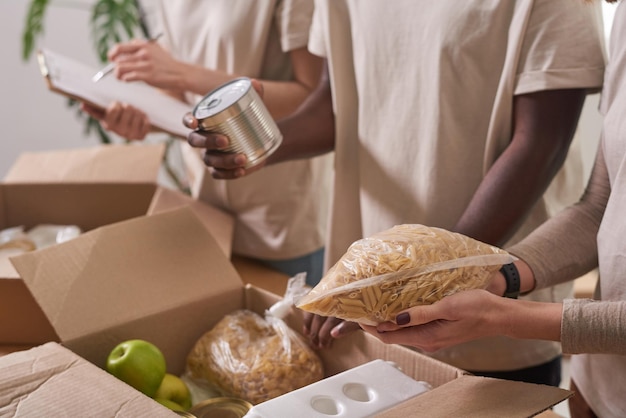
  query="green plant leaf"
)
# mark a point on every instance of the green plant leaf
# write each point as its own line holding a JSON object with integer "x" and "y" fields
{"x": 113, "y": 21}
{"x": 33, "y": 27}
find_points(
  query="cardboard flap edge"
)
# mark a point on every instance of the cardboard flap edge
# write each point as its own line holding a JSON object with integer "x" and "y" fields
{"x": 81, "y": 278}
{"x": 121, "y": 163}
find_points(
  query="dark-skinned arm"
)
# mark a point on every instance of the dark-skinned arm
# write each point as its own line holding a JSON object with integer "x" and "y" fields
{"x": 308, "y": 132}
{"x": 543, "y": 127}
{"x": 544, "y": 124}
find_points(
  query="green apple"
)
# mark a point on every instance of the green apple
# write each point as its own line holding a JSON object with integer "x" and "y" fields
{"x": 170, "y": 404}
{"x": 174, "y": 389}
{"x": 139, "y": 363}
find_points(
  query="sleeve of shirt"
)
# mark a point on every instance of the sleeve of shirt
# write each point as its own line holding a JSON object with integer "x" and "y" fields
{"x": 161, "y": 26}
{"x": 563, "y": 47}
{"x": 293, "y": 20}
{"x": 565, "y": 246}
{"x": 590, "y": 326}
{"x": 317, "y": 44}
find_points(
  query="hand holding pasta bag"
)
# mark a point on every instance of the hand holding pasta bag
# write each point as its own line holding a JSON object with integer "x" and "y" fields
{"x": 402, "y": 267}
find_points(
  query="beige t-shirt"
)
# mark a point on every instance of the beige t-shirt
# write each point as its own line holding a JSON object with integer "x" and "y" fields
{"x": 432, "y": 83}
{"x": 280, "y": 211}
{"x": 591, "y": 234}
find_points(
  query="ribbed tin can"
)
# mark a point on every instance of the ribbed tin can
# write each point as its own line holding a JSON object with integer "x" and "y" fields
{"x": 221, "y": 408}
{"x": 235, "y": 109}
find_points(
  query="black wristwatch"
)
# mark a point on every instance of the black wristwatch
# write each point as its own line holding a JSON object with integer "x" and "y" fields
{"x": 511, "y": 276}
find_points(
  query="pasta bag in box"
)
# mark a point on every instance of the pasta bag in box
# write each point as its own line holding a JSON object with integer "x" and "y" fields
{"x": 254, "y": 357}
{"x": 401, "y": 267}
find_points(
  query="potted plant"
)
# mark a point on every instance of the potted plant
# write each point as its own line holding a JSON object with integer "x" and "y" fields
{"x": 112, "y": 21}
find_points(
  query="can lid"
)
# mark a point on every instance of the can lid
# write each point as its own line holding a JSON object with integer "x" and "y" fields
{"x": 185, "y": 414}
{"x": 222, "y": 407}
{"x": 222, "y": 98}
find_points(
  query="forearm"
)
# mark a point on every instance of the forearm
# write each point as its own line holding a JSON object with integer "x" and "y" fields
{"x": 524, "y": 319}
{"x": 283, "y": 97}
{"x": 310, "y": 130}
{"x": 468, "y": 315}
{"x": 593, "y": 327}
{"x": 507, "y": 194}
{"x": 280, "y": 97}
{"x": 199, "y": 80}
{"x": 544, "y": 124}
{"x": 565, "y": 246}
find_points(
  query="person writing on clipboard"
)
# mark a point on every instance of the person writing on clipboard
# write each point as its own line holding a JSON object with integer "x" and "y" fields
{"x": 279, "y": 221}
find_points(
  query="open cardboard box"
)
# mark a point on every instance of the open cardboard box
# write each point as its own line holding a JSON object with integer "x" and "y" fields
{"x": 50, "y": 380}
{"x": 89, "y": 188}
{"x": 165, "y": 279}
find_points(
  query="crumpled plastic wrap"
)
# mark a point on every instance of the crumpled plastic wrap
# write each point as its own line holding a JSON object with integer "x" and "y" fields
{"x": 18, "y": 239}
{"x": 252, "y": 357}
{"x": 401, "y": 267}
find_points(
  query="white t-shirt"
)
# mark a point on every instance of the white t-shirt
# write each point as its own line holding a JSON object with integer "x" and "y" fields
{"x": 433, "y": 83}
{"x": 280, "y": 211}
{"x": 601, "y": 378}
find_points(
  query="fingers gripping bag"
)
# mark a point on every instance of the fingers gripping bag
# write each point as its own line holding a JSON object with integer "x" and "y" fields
{"x": 255, "y": 358}
{"x": 401, "y": 267}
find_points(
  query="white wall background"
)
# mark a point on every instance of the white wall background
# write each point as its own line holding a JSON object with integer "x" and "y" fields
{"x": 31, "y": 117}
{"x": 34, "y": 119}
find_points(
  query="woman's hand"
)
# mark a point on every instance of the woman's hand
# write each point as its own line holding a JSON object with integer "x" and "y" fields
{"x": 322, "y": 330}
{"x": 455, "y": 319}
{"x": 147, "y": 61}
{"x": 123, "y": 119}
{"x": 225, "y": 165}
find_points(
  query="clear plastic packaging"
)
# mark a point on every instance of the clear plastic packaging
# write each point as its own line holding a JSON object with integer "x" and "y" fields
{"x": 401, "y": 267}
{"x": 38, "y": 237}
{"x": 252, "y": 357}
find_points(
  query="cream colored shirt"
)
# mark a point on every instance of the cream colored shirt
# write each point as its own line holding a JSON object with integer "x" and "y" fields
{"x": 281, "y": 211}
{"x": 591, "y": 234}
{"x": 423, "y": 94}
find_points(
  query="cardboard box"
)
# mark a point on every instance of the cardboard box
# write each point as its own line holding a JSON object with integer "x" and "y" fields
{"x": 50, "y": 380}
{"x": 164, "y": 278}
{"x": 89, "y": 188}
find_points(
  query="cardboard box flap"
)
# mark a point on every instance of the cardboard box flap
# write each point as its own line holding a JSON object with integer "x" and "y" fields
{"x": 360, "y": 347}
{"x": 127, "y": 163}
{"x": 499, "y": 398}
{"x": 87, "y": 206}
{"x": 153, "y": 264}
{"x": 219, "y": 223}
{"x": 52, "y": 381}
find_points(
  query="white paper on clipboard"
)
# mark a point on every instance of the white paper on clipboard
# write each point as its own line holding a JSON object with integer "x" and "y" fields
{"x": 73, "y": 79}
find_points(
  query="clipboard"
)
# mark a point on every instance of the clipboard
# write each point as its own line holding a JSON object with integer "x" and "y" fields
{"x": 73, "y": 79}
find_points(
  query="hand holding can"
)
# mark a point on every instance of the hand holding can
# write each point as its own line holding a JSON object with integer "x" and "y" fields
{"x": 236, "y": 111}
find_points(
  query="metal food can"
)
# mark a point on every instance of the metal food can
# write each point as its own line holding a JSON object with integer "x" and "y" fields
{"x": 235, "y": 109}
{"x": 222, "y": 407}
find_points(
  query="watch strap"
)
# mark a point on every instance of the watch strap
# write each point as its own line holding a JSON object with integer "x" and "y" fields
{"x": 512, "y": 278}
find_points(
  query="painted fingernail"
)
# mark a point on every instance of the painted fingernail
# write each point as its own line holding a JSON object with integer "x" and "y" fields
{"x": 403, "y": 318}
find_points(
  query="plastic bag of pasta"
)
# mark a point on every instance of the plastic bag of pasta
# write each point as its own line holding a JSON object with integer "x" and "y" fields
{"x": 253, "y": 357}
{"x": 401, "y": 267}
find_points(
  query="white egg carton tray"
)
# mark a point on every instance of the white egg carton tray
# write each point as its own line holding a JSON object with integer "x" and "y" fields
{"x": 356, "y": 393}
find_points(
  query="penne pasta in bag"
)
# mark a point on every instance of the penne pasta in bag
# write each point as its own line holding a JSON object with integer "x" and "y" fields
{"x": 401, "y": 267}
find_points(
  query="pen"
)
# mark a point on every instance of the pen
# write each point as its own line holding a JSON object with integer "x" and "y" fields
{"x": 111, "y": 66}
